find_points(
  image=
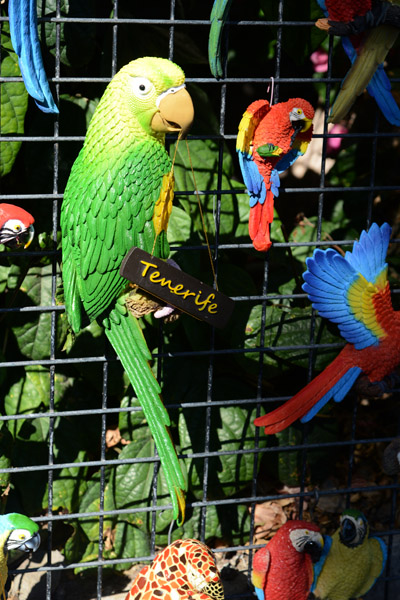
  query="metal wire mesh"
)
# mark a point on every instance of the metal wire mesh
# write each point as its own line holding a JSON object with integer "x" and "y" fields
{"x": 228, "y": 93}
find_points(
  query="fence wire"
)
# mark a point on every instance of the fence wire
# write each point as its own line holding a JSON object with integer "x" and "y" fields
{"x": 229, "y": 96}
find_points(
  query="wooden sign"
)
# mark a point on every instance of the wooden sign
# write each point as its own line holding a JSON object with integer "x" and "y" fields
{"x": 176, "y": 288}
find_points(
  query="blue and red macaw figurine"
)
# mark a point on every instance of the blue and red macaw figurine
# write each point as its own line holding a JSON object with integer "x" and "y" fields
{"x": 366, "y": 50}
{"x": 270, "y": 139}
{"x": 353, "y": 292}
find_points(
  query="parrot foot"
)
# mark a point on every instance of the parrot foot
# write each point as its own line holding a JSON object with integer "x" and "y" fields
{"x": 139, "y": 303}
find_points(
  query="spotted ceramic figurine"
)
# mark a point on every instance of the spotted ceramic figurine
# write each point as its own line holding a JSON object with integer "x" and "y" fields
{"x": 184, "y": 569}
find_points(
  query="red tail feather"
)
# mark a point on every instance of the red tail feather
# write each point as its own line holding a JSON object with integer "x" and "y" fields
{"x": 261, "y": 215}
{"x": 298, "y": 406}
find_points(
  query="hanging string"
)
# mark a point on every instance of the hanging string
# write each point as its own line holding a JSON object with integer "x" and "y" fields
{"x": 271, "y": 85}
{"x": 171, "y": 526}
{"x": 202, "y": 217}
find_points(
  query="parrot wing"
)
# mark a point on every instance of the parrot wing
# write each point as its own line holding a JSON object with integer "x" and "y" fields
{"x": 261, "y": 563}
{"x": 218, "y": 17}
{"x": 25, "y": 41}
{"x": 252, "y": 178}
{"x": 98, "y": 239}
{"x": 342, "y": 289}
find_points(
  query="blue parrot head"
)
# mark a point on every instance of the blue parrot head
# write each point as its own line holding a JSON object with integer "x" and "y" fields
{"x": 19, "y": 532}
{"x": 353, "y": 528}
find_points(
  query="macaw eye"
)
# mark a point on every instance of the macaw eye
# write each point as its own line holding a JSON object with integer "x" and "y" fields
{"x": 142, "y": 87}
{"x": 22, "y": 536}
{"x": 299, "y": 111}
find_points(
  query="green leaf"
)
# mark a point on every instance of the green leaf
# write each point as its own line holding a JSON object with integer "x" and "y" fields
{"x": 31, "y": 394}
{"x": 14, "y": 102}
{"x": 287, "y": 327}
{"x": 32, "y": 335}
{"x": 129, "y": 542}
{"x": 69, "y": 485}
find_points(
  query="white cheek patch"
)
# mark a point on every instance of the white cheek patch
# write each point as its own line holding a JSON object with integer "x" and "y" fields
{"x": 172, "y": 90}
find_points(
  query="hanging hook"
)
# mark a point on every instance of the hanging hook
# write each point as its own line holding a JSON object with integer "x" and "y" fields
{"x": 271, "y": 85}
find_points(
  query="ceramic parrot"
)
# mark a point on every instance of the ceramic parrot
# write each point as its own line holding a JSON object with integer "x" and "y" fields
{"x": 16, "y": 226}
{"x": 184, "y": 570}
{"x": 353, "y": 560}
{"x": 270, "y": 139}
{"x": 282, "y": 570}
{"x": 352, "y": 291}
{"x": 391, "y": 457}
{"x": 17, "y": 532}
{"x": 218, "y": 17}
{"x": 25, "y": 41}
{"x": 119, "y": 195}
{"x": 366, "y": 51}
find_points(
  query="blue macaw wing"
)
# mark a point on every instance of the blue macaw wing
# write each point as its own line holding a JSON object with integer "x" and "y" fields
{"x": 252, "y": 179}
{"x": 288, "y": 159}
{"x": 317, "y": 567}
{"x": 342, "y": 288}
{"x": 260, "y": 593}
{"x": 25, "y": 41}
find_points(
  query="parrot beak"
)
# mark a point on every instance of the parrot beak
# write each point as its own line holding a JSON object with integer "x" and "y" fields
{"x": 314, "y": 548}
{"x": 30, "y": 232}
{"x": 175, "y": 112}
{"x": 307, "y": 124}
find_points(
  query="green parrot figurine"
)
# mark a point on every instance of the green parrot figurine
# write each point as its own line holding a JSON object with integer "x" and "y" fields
{"x": 119, "y": 195}
{"x": 352, "y": 560}
{"x": 17, "y": 532}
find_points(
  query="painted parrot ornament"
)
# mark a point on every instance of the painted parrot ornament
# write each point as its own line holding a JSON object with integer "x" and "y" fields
{"x": 25, "y": 41}
{"x": 17, "y": 532}
{"x": 282, "y": 570}
{"x": 366, "y": 50}
{"x": 119, "y": 195}
{"x": 352, "y": 291}
{"x": 16, "y": 226}
{"x": 184, "y": 570}
{"x": 352, "y": 562}
{"x": 270, "y": 139}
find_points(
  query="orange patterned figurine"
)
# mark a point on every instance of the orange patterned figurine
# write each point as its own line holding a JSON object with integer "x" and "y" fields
{"x": 184, "y": 569}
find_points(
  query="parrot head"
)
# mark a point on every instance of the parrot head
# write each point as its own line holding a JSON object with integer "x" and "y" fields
{"x": 305, "y": 537}
{"x": 149, "y": 96}
{"x": 16, "y": 226}
{"x": 301, "y": 114}
{"x": 353, "y": 528}
{"x": 18, "y": 532}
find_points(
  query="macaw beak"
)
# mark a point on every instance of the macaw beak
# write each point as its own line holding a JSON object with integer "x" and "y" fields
{"x": 32, "y": 544}
{"x": 307, "y": 124}
{"x": 175, "y": 112}
{"x": 314, "y": 548}
{"x": 29, "y": 545}
{"x": 30, "y": 232}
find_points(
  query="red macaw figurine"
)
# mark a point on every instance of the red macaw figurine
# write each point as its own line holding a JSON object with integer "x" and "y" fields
{"x": 283, "y": 570}
{"x": 16, "y": 226}
{"x": 352, "y": 291}
{"x": 270, "y": 139}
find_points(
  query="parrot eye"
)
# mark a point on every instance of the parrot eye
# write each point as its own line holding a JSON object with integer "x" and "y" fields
{"x": 142, "y": 87}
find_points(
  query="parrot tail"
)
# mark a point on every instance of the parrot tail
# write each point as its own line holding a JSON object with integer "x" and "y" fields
{"x": 127, "y": 339}
{"x": 218, "y": 17}
{"x": 334, "y": 382}
{"x": 367, "y": 72}
{"x": 260, "y": 218}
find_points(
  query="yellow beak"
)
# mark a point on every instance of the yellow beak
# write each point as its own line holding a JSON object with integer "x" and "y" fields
{"x": 30, "y": 233}
{"x": 175, "y": 112}
{"x": 307, "y": 124}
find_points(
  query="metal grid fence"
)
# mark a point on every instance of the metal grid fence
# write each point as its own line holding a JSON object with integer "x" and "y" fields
{"x": 229, "y": 96}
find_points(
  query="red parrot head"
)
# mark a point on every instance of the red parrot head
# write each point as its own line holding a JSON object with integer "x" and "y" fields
{"x": 16, "y": 226}
{"x": 306, "y": 537}
{"x": 301, "y": 114}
